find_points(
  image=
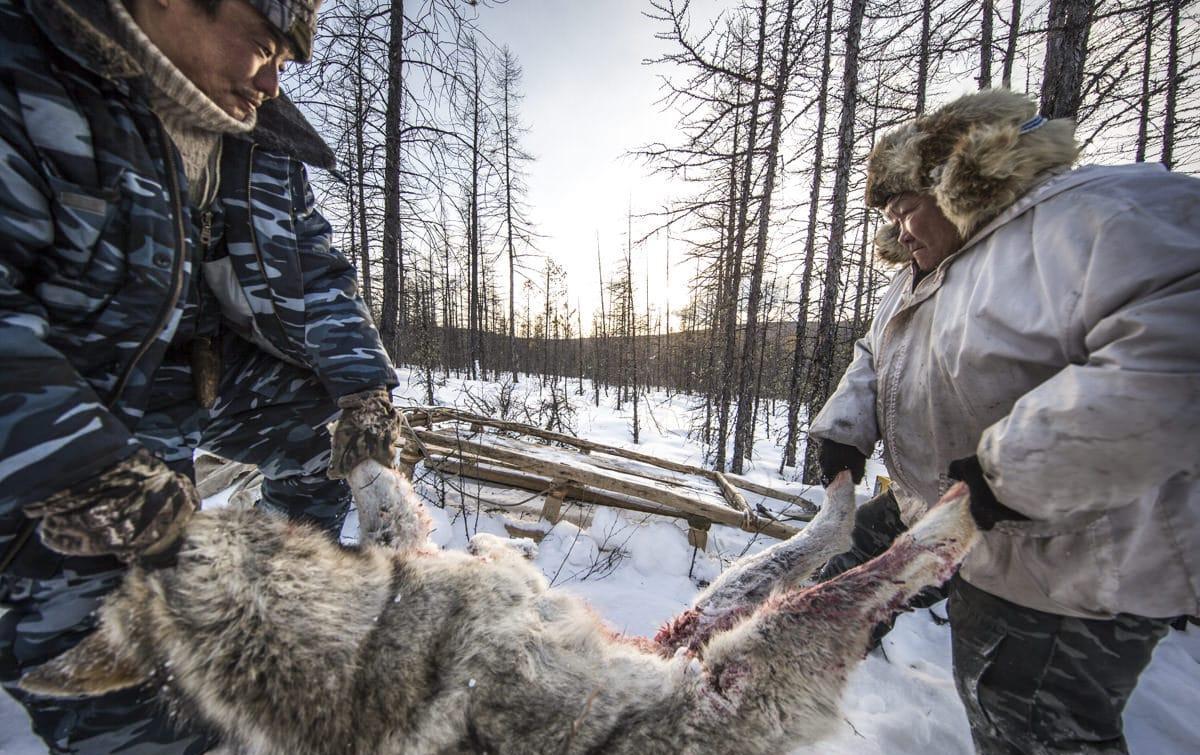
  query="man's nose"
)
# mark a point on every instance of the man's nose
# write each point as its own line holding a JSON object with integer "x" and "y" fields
{"x": 267, "y": 81}
{"x": 906, "y": 238}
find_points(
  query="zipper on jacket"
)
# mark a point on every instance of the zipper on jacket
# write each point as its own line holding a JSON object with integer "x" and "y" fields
{"x": 164, "y": 315}
{"x": 206, "y": 222}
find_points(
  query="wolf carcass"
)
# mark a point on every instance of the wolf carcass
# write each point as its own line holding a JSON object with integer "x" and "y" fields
{"x": 290, "y": 644}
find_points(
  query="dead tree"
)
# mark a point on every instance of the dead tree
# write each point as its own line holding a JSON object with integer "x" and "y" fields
{"x": 1066, "y": 52}
{"x": 744, "y": 428}
{"x": 827, "y": 327}
{"x": 810, "y": 237}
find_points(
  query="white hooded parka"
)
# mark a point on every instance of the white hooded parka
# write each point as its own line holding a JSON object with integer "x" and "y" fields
{"x": 1061, "y": 344}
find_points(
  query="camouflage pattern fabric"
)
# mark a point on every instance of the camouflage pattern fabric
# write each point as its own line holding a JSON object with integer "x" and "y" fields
{"x": 47, "y": 617}
{"x": 1035, "y": 682}
{"x": 96, "y": 262}
{"x": 100, "y": 298}
{"x": 268, "y": 413}
{"x": 138, "y": 506}
{"x": 369, "y": 428}
{"x": 295, "y": 19}
{"x": 274, "y": 415}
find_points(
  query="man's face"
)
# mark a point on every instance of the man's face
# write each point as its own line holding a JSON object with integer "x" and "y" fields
{"x": 924, "y": 230}
{"x": 235, "y": 56}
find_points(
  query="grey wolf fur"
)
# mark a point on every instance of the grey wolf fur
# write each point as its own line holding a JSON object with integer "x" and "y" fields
{"x": 290, "y": 644}
{"x": 970, "y": 155}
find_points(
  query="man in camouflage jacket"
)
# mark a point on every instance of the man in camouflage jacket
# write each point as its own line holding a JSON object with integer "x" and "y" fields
{"x": 166, "y": 283}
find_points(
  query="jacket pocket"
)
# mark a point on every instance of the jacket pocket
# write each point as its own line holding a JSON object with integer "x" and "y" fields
{"x": 81, "y": 215}
{"x": 87, "y": 262}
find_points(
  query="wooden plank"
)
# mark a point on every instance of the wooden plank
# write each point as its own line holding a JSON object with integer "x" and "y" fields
{"x": 735, "y": 498}
{"x": 579, "y": 475}
{"x": 535, "y": 484}
{"x": 808, "y": 508}
{"x": 434, "y": 415}
{"x": 552, "y": 506}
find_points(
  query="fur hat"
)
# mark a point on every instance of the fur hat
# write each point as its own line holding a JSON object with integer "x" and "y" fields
{"x": 294, "y": 19}
{"x": 976, "y": 155}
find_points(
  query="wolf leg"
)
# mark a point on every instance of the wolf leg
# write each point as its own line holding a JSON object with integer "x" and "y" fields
{"x": 785, "y": 564}
{"x": 389, "y": 511}
{"x": 749, "y": 581}
{"x": 780, "y": 673}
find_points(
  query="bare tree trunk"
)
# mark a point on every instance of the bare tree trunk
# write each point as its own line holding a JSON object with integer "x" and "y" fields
{"x": 1173, "y": 79}
{"x": 739, "y": 246}
{"x": 827, "y": 329}
{"x": 360, "y": 151}
{"x": 473, "y": 292}
{"x": 1144, "y": 105}
{"x": 743, "y": 435}
{"x": 923, "y": 55}
{"x": 599, "y": 339}
{"x": 1010, "y": 50}
{"x": 632, "y": 326}
{"x": 390, "y": 316}
{"x": 985, "y": 45}
{"x": 508, "y": 222}
{"x": 1066, "y": 53}
{"x": 793, "y": 418}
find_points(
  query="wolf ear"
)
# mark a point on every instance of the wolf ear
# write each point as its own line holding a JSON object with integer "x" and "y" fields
{"x": 90, "y": 668}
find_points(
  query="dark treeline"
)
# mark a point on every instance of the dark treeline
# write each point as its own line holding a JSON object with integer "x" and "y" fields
{"x": 778, "y": 104}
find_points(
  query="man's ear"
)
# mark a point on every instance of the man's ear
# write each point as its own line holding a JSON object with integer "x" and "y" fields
{"x": 90, "y": 668}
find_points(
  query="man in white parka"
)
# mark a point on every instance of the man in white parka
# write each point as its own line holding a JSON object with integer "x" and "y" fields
{"x": 1043, "y": 344}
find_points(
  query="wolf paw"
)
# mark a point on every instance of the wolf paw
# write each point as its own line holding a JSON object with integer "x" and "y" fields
{"x": 491, "y": 547}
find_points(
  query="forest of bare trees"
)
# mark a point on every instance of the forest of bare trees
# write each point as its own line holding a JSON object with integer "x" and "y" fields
{"x": 777, "y": 104}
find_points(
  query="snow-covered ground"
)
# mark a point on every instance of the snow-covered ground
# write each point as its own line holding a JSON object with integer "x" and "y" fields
{"x": 637, "y": 571}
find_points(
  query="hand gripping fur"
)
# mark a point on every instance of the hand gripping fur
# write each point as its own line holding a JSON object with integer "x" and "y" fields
{"x": 289, "y": 644}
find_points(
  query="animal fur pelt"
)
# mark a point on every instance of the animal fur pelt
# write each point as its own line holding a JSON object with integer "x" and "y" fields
{"x": 288, "y": 643}
{"x": 971, "y": 156}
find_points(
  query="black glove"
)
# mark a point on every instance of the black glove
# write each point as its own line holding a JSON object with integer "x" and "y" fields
{"x": 369, "y": 428}
{"x": 985, "y": 509}
{"x": 135, "y": 509}
{"x": 836, "y": 457}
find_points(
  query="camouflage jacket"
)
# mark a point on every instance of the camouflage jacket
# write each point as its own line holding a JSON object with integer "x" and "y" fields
{"x": 96, "y": 248}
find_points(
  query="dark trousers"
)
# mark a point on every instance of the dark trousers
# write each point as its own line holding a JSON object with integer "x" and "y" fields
{"x": 268, "y": 413}
{"x": 1035, "y": 682}
{"x": 876, "y": 524}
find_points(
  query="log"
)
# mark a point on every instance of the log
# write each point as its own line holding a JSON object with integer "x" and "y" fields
{"x": 620, "y": 483}
{"x": 536, "y": 484}
{"x": 432, "y": 415}
{"x": 552, "y": 506}
{"x": 735, "y": 498}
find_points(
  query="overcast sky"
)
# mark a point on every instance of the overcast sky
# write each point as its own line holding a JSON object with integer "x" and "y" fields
{"x": 588, "y": 101}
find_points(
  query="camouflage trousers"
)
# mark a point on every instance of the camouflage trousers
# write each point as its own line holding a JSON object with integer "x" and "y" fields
{"x": 268, "y": 413}
{"x": 1035, "y": 682}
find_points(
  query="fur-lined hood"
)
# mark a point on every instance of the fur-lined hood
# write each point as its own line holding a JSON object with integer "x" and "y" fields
{"x": 84, "y": 30}
{"x": 976, "y": 155}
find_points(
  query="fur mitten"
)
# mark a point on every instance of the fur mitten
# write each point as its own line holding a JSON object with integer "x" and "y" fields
{"x": 137, "y": 507}
{"x": 836, "y": 457}
{"x": 985, "y": 509}
{"x": 369, "y": 428}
